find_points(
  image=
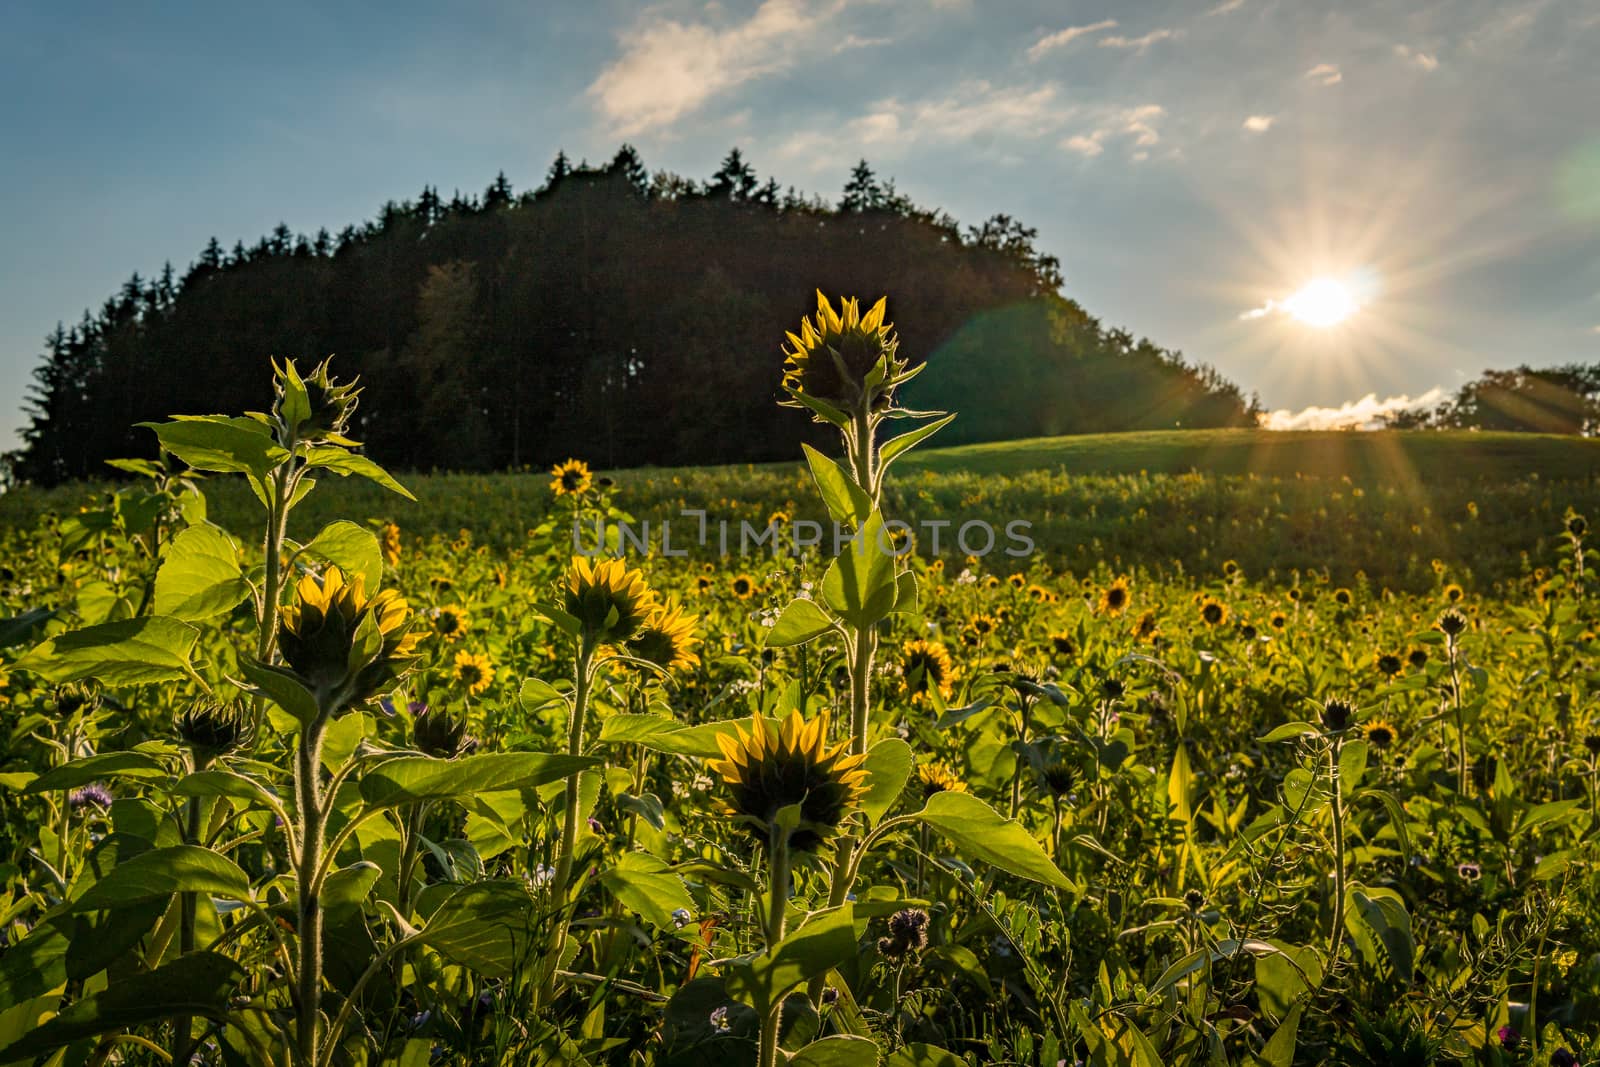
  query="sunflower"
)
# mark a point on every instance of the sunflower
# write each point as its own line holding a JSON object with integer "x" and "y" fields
{"x": 1016, "y": 581}
{"x": 1380, "y": 733}
{"x": 1229, "y": 568}
{"x": 1343, "y": 597}
{"x": 925, "y": 666}
{"x": 389, "y": 544}
{"x": 773, "y": 767}
{"x": 703, "y": 585}
{"x": 318, "y": 631}
{"x": 977, "y": 628}
{"x": 438, "y": 733}
{"x": 1389, "y": 664}
{"x": 938, "y": 778}
{"x": 1417, "y": 657}
{"x": 1295, "y": 594}
{"x": 1063, "y": 644}
{"x": 1278, "y": 620}
{"x": 779, "y": 518}
{"x": 212, "y": 729}
{"x": 570, "y": 478}
{"x": 474, "y": 671}
{"x": 744, "y": 586}
{"x": 1114, "y": 598}
{"x": 667, "y": 638}
{"x": 450, "y": 622}
{"x": 1040, "y": 595}
{"x": 1453, "y": 593}
{"x": 609, "y": 601}
{"x": 1213, "y": 612}
{"x": 1145, "y": 628}
{"x": 833, "y": 360}
{"x": 1452, "y": 623}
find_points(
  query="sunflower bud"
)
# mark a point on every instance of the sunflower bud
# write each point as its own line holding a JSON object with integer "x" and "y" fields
{"x": 317, "y": 408}
{"x": 1337, "y": 715}
{"x": 211, "y": 729}
{"x": 343, "y": 645}
{"x": 438, "y": 733}
{"x": 847, "y": 360}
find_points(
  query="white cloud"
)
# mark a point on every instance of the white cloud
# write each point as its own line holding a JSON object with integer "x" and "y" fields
{"x": 1325, "y": 74}
{"x": 1595, "y": 330}
{"x": 1422, "y": 60}
{"x": 1140, "y": 45}
{"x": 1062, "y": 38}
{"x": 669, "y": 69}
{"x": 1137, "y": 124}
{"x": 1226, "y": 7}
{"x": 1364, "y": 414}
{"x": 1091, "y": 145}
{"x": 1259, "y": 123}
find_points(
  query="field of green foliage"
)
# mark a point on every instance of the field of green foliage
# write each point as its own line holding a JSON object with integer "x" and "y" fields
{"x": 1255, "y": 760}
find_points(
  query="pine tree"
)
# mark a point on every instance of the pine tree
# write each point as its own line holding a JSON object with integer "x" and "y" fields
{"x": 861, "y": 192}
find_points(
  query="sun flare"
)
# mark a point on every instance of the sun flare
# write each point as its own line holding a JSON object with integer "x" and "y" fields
{"x": 1322, "y": 302}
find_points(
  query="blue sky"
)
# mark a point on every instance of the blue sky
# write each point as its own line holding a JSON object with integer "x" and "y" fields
{"x": 1193, "y": 164}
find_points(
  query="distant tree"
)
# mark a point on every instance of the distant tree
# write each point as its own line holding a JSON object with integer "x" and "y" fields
{"x": 1563, "y": 399}
{"x": 862, "y": 191}
{"x": 734, "y": 180}
{"x": 628, "y": 165}
{"x": 499, "y": 193}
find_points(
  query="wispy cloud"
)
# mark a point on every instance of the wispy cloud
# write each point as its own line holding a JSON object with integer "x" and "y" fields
{"x": 1140, "y": 45}
{"x": 1368, "y": 413}
{"x": 1062, "y": 38}
{"x": 1134, "y": 124}
{"x": 1226, "y": 7}
{"x": 1259, "y": 123}
{"x": 668, "y": 69}
{"x": 1422, "y": 60}
{"x": 1092, "y": 144}
{"x": 1325, "y": 74}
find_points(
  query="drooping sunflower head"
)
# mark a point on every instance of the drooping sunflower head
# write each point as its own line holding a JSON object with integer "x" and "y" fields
{"x": 1114, "y": 598}
{"x": 938, "y": 778}
{"x": 667, "y": 638}
{"x": 609, "y": 600}
{"x": 212, "y": 729}
{"x": 319, "y": 630}
{"x": 1452, "y": 623}
{"x": 1063, "y": 643}
{"x": 451, "y": 622}
{"x": 846, "y": 359}
{"x": 1338, "y": 715}
{"x": 773, "y": 766}
{"x": 474, "y": 671}
{"x": 570, "y": 478}
{"x": 925, "y": 666}
{"x": 1417, "y": 657}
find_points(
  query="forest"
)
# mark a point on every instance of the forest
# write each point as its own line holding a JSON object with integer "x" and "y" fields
{"x": 611, "y": 312}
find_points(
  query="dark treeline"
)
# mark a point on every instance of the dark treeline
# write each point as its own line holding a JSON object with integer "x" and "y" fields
{"x": 1563, "y": 399}
{"x": 609, "y": 314}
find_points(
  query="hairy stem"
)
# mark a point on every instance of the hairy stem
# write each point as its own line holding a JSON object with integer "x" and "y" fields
{"x": 569, "y": 826}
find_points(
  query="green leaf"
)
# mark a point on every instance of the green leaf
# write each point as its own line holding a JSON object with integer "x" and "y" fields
{"x": 200, "y": 576}
{"x": 353, "y": 549}
{"x": 487, "y": 926}
{"x": 827, "y": 411}
{"x": 980, "y": 832}
{"x": 840, "y": 1050}
{"x": 295, "y": 407}
{"x": 199, "y": 983}
{"x": 825, "y": 941}
{"x": 75, "y": 947}
{"x": 847, "y": 502}
{"x": 1381, "y": 928}
{"x": 801, "y": 621}
{"x": 898, "y": 446}
{"x": 905, "y": 594}
{"x": 860, "y": 583}
{"x": 19, "y": 628}
{"x": 344, "y": 463}
{"x": 920, "y": 1055}
{"x": 537, "y": 694}
{"x": 220, "y": 443}
{"x": 888, "y": 766}
{"x": 98, "y": 768}
{"x": 1290, "y": 730}
{"x": 281, "y": 686}
{"x": 409, "y": 779}
{"x": 161, "y": 872}
{"x": 126, "y": 652}
{"x": 224, "y": 783}
{"x": 347, "y": 888}
{"x": 1279, "y": 1049}
{"x": 648, "y": 886}
{"x": 661, "y": 734}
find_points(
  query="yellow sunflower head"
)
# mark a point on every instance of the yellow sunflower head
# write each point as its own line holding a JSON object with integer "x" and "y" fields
{"x": 937, "y": 778}
{"x": 1389, "y": 664}
{"x": 609, "y": 600}
{"x": 1380, "y": 733}
{"x": 744, "y": 586}
{"x": 1115, "y": 597}
{"x": 925, "y": 666}
{"x": 389, "y": 543}
{"x": 1213, "y": 612}
{"x": 319, "y": 635}
{"x": 474, "y": 672}
{"x": 570, "y": 478}
{"x": 773, "y": 766}
{"x": 846, "y": 359}
{"x": 667, "y": 638}
{"x": 451, "y": 621}
{"x": 1343, "y": 597}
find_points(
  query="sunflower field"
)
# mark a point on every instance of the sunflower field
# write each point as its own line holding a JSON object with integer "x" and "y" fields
{"x": 285, "y": 781}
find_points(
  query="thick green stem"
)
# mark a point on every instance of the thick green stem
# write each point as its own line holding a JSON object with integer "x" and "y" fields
{"x": 777, "y": 903}
{"x": 569, "y": 826}
{"x": 1337, "y": 934}
{"x": 1462, "y": 770}
{"x": 313, "y": 829}
{"x": 182, "y": 1039}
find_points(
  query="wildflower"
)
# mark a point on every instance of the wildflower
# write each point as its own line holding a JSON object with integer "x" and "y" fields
{"x": 474, "y": 671}
{"x": 212, "y": 729}
{"x": 1295, "y": 594}
{"x": 319, "y": 630}
{"x": 92, "y": 795}
{"x": 570, "y": 478}
{"x": 1114, "y": 598}
{"x": 1389, "y": 664}
{"x": 1508, "y": 1035}
{"x": 908, "y": 934}
{"x": 1469, "y": 872}
{"x": 389, "y": 544}
{"x": 667, "y": 638}
{"x": 438, "y": 733}
{"x": 744, "y": 586}
{"x": 1337, "y": 715}
{"x": 846, "y": 360}
{"x": 610, "y": 601}
{"x": 925, "y": 666}
{"x": 719, "y": 1020}
{"x": 938, "y": 778}
{"x": 775, "y": 766}
{"x": 451, "y": 622}
{"x": 1380, "y": 734}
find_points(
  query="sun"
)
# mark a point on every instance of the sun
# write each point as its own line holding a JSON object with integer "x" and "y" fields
{"x": 1322, "y": 302}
